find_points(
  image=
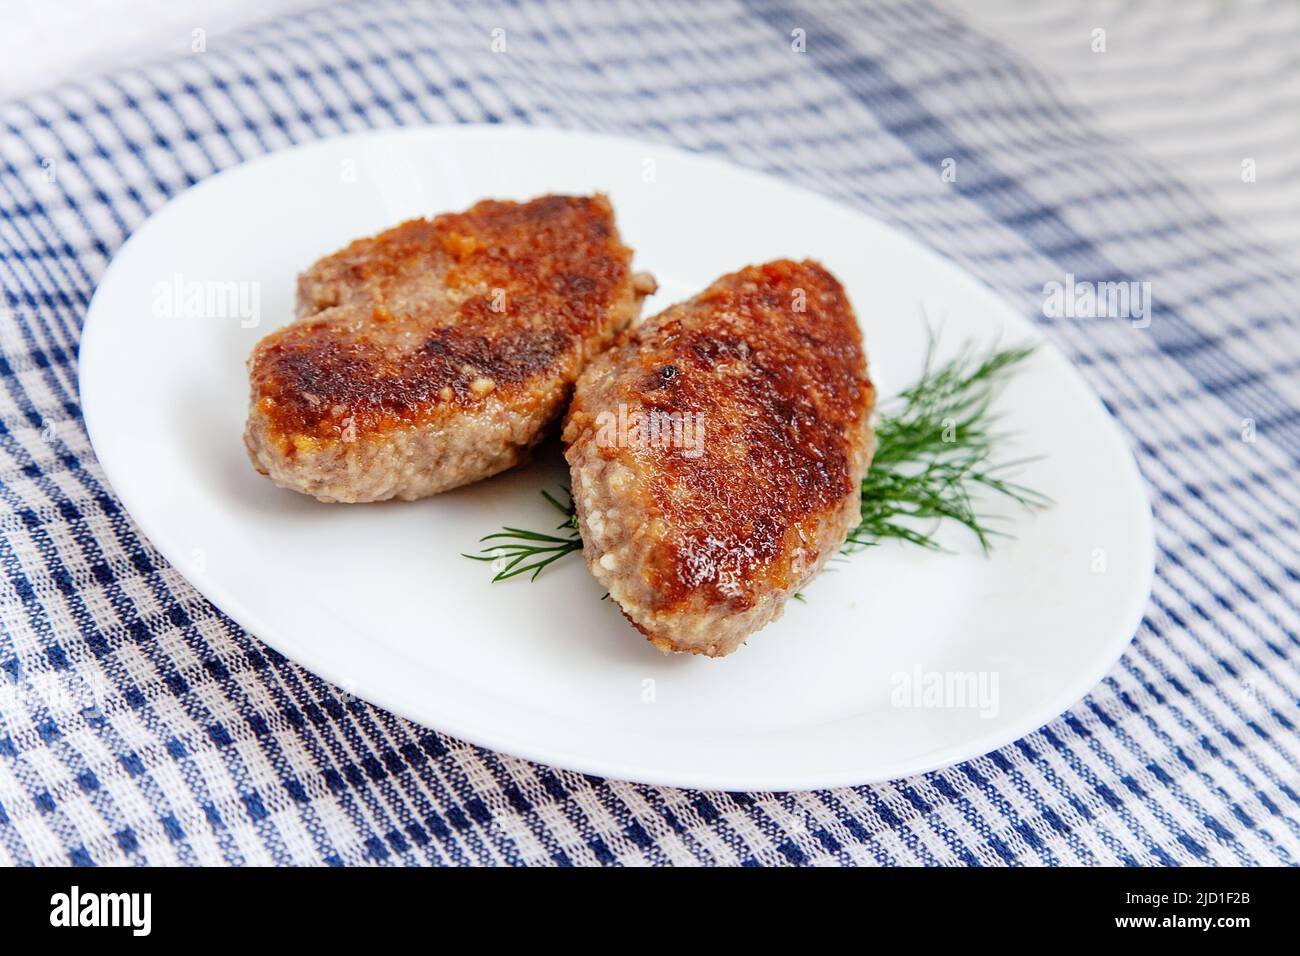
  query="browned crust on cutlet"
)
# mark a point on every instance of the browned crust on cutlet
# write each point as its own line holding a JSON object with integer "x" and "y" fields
{"x": 430, "y": 318}
{"x": 772, "y": 357}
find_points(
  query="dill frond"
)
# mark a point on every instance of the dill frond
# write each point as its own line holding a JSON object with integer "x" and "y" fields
{"x": 935, "y": 454}
{"x": 520, "y": 551}
{"x": 934, "y": 458}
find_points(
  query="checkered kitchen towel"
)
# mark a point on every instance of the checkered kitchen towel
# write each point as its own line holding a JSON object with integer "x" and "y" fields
{"x": 137, "y": 724}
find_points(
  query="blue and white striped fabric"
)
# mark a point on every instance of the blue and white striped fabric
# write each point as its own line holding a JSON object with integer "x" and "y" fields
{"x": 139, "y": 725}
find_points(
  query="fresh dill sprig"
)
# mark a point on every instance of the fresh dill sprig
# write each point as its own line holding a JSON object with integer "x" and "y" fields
{"x": 934, "y": 451}
{"x": 934, "y": 454}
{"x": 519, "y": 550}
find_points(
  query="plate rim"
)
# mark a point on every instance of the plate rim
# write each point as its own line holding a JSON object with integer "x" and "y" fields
{"x": 249, "y": 621}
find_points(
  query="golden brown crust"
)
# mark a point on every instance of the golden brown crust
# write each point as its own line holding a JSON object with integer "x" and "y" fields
{"x": 771, "y": 356}
{"x": 431, "y": 317}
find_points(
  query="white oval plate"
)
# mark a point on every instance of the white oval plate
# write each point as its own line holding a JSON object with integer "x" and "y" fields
{"x": 378, "y": 599}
